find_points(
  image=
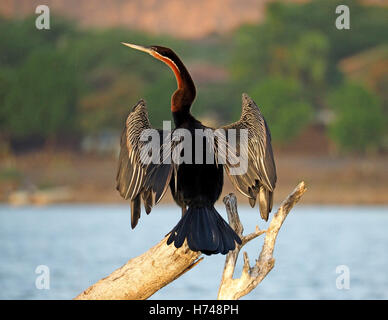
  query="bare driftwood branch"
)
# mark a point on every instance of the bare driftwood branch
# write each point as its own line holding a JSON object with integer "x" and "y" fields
{"x": 142, "y": 276}
{"x": 232, "y": 289}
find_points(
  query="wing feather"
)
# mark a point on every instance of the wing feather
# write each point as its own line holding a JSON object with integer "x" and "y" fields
{"x": 135, "y": 178}
{"x": 260, "y": 177}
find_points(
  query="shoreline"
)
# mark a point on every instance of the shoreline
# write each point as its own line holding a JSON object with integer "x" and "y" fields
{"x": 68, "y": 177}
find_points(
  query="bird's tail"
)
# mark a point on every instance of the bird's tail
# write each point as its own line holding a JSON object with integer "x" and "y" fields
{"x": 205, "y": 231}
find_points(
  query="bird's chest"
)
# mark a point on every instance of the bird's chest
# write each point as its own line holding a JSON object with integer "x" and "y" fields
{"x": 197, "y": 184}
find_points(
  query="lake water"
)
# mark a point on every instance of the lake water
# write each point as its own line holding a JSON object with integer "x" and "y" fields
{"x": 81, "y": 244}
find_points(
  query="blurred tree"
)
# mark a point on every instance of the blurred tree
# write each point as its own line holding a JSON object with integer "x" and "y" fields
{"x": 300, "y": 43}
{"x": 19, "y": 38}
{"x": 108, "y": 104}
{"x": 367, "y": 26}
{"x": 299, "y": 38}
{"x": 158, "y": 97}
{"x": 42, "y": 96}
{"x": 308, "y": 63}
{"x": 359, "y": 119}
{"x": 218, "y": 103}
{"x": 280, "y": 101}
{"x": 4, "y": 88}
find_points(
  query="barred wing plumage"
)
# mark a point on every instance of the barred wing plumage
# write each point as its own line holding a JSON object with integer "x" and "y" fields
{"x": 135, "y": 178}
{"x": 260, "y": 177}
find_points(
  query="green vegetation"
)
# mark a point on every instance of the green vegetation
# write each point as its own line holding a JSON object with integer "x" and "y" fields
{"x": 10, "y": 174}
{"x": 359, "y": 121}
{"x": 46, "y": 104}
{"x": 283, "y": 107}
{"x": 70, "y": 81}
{"x": 301, "y": 45}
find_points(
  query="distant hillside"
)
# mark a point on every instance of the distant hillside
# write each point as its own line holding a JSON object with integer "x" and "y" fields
{"x": 180, "y": 18}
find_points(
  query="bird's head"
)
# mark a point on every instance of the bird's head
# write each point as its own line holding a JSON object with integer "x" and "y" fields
{"x": 186, "y": 88}
{"x": 161, "y": 53}
{"x": 155, "y": 51}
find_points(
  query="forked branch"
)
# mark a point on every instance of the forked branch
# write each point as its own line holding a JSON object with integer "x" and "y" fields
{"x": 142, "y": 276}
{"x": 232, "y": 289}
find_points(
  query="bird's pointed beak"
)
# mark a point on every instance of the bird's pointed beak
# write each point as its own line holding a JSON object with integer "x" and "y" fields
{"x": 140, "y": 48}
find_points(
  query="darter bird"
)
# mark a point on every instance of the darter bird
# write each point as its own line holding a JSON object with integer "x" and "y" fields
{"x": 195, "y": 187}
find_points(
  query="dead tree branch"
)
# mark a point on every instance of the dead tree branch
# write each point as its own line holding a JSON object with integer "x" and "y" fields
{"x": 142, "y": 276}
{"x": 232, "y": 289}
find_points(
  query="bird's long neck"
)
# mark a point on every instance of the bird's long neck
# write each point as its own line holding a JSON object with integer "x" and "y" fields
{"x": 184, "y": 96}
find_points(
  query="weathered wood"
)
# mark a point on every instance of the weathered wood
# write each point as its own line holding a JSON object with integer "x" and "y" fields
{"x": 232, "y": 289}
{"x": 142, "y": 276}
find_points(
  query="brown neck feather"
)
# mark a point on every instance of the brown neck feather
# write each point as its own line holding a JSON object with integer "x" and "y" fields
{"x": 184, "y": 96}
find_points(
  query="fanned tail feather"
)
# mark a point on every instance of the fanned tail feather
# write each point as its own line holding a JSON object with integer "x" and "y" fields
{"x": 205, "y": 231}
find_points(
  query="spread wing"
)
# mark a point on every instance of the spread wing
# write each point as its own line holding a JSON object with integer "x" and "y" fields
{"x": 136, "y": 178}
{"x": 260, "y": 177}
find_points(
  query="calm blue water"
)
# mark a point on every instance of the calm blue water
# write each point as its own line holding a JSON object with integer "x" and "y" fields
{"x": 82, "y": 243}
